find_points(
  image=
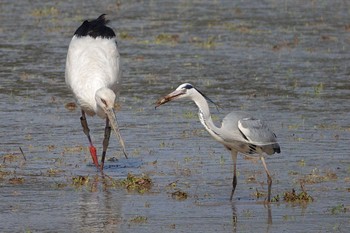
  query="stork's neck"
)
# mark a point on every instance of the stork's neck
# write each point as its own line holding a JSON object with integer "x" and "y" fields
{"x": 204, "y": 115}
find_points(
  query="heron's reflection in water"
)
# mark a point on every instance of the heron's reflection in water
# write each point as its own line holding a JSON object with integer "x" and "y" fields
{"x": 235, "y": 221}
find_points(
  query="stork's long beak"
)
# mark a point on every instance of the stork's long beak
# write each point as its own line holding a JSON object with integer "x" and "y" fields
{"x": 173, "y": 95}
{"x": 113, "y": 122}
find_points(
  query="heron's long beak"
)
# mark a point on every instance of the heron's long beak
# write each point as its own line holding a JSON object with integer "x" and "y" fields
{"x": 173, "y": 95}
{"x": 113, "y": 122}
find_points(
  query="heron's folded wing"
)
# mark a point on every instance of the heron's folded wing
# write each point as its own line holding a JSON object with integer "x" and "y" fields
{"x": 256, "y": 131}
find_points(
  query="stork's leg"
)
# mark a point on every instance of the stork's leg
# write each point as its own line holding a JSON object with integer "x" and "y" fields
{"x": 234, "y": 181}
{"x": 87, "y": 133}
{"x": 105, "y": 142}
{"x": 269, "y": 180}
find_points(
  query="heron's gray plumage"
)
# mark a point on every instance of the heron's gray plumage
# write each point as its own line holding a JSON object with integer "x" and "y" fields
{"x": 239, "y": 131}
{"x": 241, "y": 127}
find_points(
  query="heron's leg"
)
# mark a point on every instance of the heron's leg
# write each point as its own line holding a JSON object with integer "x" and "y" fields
{"x": 105, "y": 142}
{"x": 86, "y": 130}
{"x": 234, "y": 181}
{"x": 269, "y": 180}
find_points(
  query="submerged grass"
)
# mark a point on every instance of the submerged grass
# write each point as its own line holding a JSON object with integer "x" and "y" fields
{"x": 140, "y": 184}
{"x": 179, "y": 195}
{"x": 293, "y": 197}
{"x": 317, "y": 177}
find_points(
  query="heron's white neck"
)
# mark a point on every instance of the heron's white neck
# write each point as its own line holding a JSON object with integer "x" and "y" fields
{"x": 204, "y": 115}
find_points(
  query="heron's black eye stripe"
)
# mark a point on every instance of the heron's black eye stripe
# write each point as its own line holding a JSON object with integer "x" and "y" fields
{"x": 188, "y": 86}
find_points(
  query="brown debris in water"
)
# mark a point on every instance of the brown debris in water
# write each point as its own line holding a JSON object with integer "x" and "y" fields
{"x": 71, "y": 106}
{"x": 179, "y": 195}
{"x": 141, "y": 184}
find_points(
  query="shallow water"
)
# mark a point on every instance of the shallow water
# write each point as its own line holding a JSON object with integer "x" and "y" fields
{"x": 284, "y": 61}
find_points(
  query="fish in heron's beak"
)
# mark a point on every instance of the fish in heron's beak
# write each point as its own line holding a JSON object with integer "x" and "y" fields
{"x": 172, "y": 96}
{"x": 113, "y": 122}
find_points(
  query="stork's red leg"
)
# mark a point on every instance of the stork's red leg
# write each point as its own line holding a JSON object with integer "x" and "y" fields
{"x": 87, "y": 133}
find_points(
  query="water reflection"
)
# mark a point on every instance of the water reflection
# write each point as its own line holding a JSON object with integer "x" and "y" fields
{"x": 99, "y": 210}
{"x": 224, "y": 47}
{"x": 240, "y": 222}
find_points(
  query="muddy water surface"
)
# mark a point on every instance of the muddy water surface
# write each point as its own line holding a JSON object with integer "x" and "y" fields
{"x": 284, "y": 61}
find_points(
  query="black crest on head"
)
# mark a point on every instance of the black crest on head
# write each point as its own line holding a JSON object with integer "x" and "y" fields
{"x": 95, "y": 28}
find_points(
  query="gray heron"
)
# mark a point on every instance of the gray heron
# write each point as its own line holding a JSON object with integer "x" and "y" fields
{"x": 93, "y": 75}
{"x": 239, "y": 132}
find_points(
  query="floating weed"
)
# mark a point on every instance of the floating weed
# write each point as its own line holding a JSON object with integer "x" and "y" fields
{"x": 286, "y": 44}
{"x": 236, "y": 27}
{"x": 189, "y": 115}
{"x": 16, "y": 180}
{"x": 293, "y": 173}
{"x": 53, "y": 172}
{"x": 125, "y": 36}
{"x": 301, "y": 163}
{"x": 179, "y": 195}
{"x": 259, "y": 194}
{"x": 288, "y": 218}
{"x": 338, "y": 209}
{"x": 71, "y": 106}
{"x": 3, "y": 174}
{"x": 138, "y": 219}
{"x": 247, "y": 213}
{"x": 45, "y": 11}
{"x": 141, "y": 184}
{"x": 251, "y": 179}
{"x": 316, "y": 177}
{"x": 318, "y": 89}
{"x": 51, "y": 147}
{"x": 222, "y": 160}
{"x": 60, "y": 185}
{"x": 167, "y": 39}
{"x": 74, "y": 149}
{"x": 9, "y": 158}
{"x": 294, "y": 197}
{"x": 209, "y": 43}
{"x": 79, "y": 181}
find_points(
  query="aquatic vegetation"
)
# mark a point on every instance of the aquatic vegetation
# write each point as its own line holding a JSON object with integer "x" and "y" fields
{"x": 138, "y": 219}
{"x": 179, "y": 195}
{"x": 247, "y": 213}
{"x": 208, "y": 43}
{"x": 71, "y": 106}
{"x": 259, "y": 194}
{"x": 293, "y": 196}
{"x": 9, "y": 158}
{"x": 316, "y": 177}
{"x": 74, "y": 149}
{"x": 318, "y": 89}
{"x": 3, "y": 174}
{"x": 167, "y": 39}
{"x": 125, "y": 36}
{"x": 190, "y": 115}
{"x": 45, "y": 11}
{"x": 338, "y": 209}
{"x": 16, "y": 180}
{"x": 141, "y": 184}
{"x": 79, "y": 181}
{"x": 286, "y": 44}
{"x": 54, "y": 172}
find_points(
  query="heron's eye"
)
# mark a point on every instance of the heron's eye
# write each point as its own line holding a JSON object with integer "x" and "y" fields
{"x": 188, "y": 86}
{"x": 104, "y": 102}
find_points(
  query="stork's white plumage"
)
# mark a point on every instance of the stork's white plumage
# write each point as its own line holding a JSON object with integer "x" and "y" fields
{"x": 239, "y": 131}
{"x": 93, "y": 74}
